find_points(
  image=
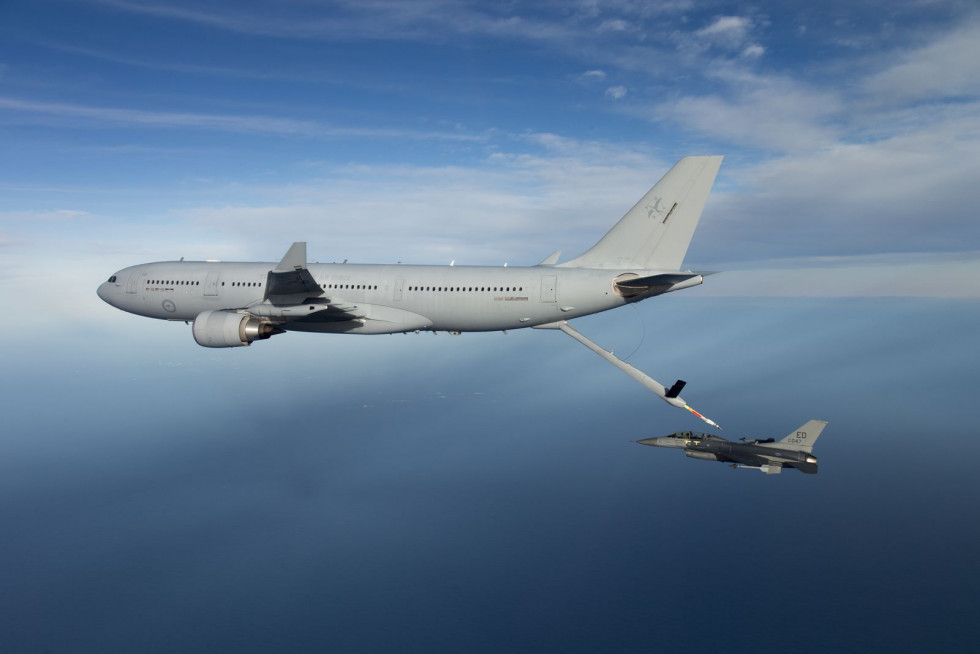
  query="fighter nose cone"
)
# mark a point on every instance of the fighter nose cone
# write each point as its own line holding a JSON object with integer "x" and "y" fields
{"x": 662, "y": 441}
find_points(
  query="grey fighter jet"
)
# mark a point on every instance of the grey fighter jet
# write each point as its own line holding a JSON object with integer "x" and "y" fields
{"x": 768, "y": 455}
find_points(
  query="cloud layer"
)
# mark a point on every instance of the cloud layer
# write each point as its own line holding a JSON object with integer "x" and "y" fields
{"x": 483, "y": 133}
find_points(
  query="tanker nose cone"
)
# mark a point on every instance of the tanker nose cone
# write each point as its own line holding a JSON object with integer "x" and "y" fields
{"x": 105, "y": 293}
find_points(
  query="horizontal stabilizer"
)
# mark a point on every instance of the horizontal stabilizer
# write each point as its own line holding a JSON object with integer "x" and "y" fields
{"x": 665, "y": 279}
{"x": 629, "y": 285}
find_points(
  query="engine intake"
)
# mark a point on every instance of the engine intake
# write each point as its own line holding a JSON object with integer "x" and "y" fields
{"x": 230, "y": 329}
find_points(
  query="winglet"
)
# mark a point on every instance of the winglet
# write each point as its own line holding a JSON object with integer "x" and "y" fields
{"x": 290, "y": 282}
{"x": 294, "y": 259}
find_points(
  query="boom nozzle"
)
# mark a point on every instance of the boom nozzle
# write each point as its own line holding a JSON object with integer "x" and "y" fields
{"x": 705, "y": 418}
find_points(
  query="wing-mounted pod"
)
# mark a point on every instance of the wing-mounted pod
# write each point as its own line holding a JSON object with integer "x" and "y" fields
{"x": 231, "y": 329}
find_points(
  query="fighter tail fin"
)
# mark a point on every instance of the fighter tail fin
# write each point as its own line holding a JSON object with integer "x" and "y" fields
{"x": 655, "y": 234}
{"x": 804, "y": 437}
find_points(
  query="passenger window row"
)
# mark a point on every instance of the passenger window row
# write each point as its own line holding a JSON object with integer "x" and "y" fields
{"x": 373, "y": 287}
{"x": 363, "y": 287}
{"x": 169, "y": 282}
{"x": 468, "y": 289}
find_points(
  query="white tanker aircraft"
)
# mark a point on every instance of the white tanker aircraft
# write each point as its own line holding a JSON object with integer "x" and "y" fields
{"x": 233, "y": 304}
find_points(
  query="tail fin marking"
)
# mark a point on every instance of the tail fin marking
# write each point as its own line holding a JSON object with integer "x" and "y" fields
{"x": 805, "y": 436}
{"x": 656, "y": 232}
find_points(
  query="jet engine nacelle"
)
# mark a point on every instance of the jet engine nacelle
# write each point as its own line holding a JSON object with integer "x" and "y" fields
{"x": 707, "y": 456}
{"x": 230, "y": 329}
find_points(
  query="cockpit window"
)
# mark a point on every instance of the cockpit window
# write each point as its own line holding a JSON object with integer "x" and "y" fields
{"x": 112, "y": 280}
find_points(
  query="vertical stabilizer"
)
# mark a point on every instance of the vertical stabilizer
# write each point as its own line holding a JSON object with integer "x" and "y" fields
{"x": 804, "y": 437}
{"x": 655, "y": 234}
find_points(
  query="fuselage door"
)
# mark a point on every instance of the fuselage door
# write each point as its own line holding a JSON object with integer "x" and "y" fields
{"x": 549, "y": 288}
{"x": 134, "y": 278}
{"x": 211, "y": 283}
{"x": 399, "y": 287}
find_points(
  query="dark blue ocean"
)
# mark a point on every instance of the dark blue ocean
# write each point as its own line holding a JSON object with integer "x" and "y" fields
{"x": 483, "y": 493}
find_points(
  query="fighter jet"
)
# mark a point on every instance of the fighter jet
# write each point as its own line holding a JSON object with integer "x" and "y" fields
{"x": 766, "y": 455}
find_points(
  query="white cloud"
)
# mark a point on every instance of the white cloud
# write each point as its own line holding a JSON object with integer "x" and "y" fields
{"x": 915, "y": 191}
{"x": 554, "y": 193}
{"x": 564, "y": 193}
{"x": 593, "y": 76}
{"x": 51, "y": 216}
{"x": 85, "y": 114}
{"x": 761, "y": 112}
{"x": 753, "y": 51}
{"x": 421, "y": 20}
{"x": 616, "y": 92}
{"x": 615, "y": 25}
{"x": 727, "y": 31}
{"x": 947, "y": 67}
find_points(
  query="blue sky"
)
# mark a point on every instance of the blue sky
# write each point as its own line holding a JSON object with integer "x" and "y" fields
{"x": 483, "y": 492}
{"x": 482, "y": 132}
